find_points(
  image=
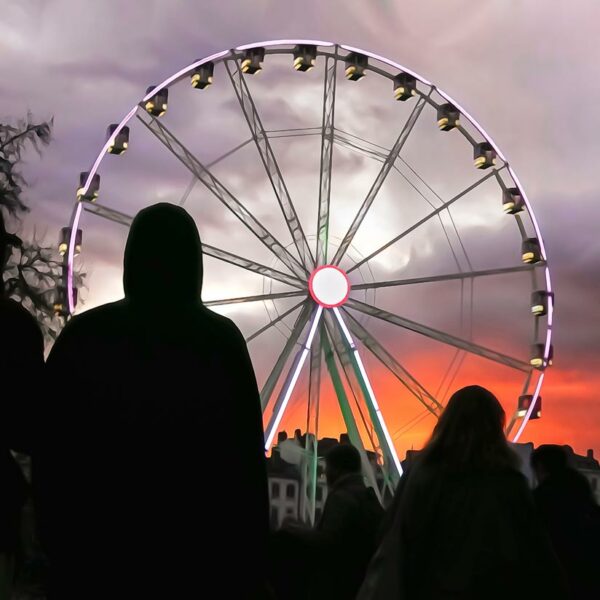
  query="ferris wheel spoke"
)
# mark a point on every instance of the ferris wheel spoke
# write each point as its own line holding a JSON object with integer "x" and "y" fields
{"x": 292, "y": 378}
{"x": 208, "y": 250}
{"x": 273, "y": 378}
{"x": 347, "y": 414}
{"x": 439, "y": 216}
{"x": 379, "y": 153}
{"x": 352, "y": 142}
{"x": 294, "y": 132}
{"x": 274, "y": 321}
{"x": 267, "y": 156}
{"x": 108, "y": 213}
{"x": 222, "y": 194}
{"x": 440, "y": 336}
{"x": 327, "y": 133}
{"x": 446, "y": 277}
{"x": 217, "y": 160}
{"x": 259, "y": 298}
{"x": 333, "y": 338}
{"x": 252, "y": 266}
{"x": 392, "y": 364}
{"x": 426, "y": 218}
{"x": 379, "y": 180}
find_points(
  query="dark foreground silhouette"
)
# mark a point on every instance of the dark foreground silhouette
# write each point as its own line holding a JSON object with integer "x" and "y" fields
{"x": 21, "y": 362}
{"x": 567, "y": 507}
{"x": 463, "y": 524}
{"x": 151, "y": 476}
{"x": 334, "y": 554}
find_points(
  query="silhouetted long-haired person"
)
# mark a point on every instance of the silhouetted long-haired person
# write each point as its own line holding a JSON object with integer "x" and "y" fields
{"x": 463, "y": 525}
{"x": 153, "y": 479}
{"x": 567, "y": 507}
{"x": 21, "y": 363}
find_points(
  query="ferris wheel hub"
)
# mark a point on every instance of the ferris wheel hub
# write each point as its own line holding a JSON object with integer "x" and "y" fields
{"x": 329, "y": 286}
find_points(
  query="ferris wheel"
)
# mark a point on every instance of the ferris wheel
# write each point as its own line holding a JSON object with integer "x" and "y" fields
{"x": 331, "y": 275}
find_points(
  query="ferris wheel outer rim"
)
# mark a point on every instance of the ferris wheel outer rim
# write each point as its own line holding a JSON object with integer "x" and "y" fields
{"x": 76, "y": 214}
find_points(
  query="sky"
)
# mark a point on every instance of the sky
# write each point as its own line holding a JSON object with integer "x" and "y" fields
{"x": 525, "y": 70}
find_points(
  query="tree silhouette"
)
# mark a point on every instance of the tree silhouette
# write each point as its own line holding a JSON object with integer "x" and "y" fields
{"x": 33, "y": 270}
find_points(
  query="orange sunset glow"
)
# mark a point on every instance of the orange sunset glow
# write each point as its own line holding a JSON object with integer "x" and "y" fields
{"x": 563, "y": 419}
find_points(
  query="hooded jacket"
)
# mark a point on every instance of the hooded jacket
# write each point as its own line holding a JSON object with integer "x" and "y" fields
{"x": 153, "y": 474}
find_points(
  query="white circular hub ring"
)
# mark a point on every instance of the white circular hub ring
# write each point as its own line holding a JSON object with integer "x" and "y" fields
{"x": 329, "y": 286}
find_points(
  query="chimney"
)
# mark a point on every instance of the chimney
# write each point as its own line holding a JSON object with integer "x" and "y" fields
{"x": 590, "y": 453}
{"x": 297, "y": 434}
{"x": 281, "y": 436}
{"x": 344, "y": 438}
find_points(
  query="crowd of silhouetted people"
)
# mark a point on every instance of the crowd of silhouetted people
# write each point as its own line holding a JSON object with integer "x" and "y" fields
{"x": 145, "y": 434}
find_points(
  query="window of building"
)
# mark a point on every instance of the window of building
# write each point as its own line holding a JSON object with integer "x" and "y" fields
{"x": 318, "y": 513}
{"x": 275, "y": 490}
{"x": 319, "y": 493}
{"x": 290, "y": 512}
{"x": 290, "y": 491}
{"x": 594, "y": 483}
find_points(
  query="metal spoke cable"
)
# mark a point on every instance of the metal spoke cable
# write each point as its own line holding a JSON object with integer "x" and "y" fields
{"x": 273, "y": 322}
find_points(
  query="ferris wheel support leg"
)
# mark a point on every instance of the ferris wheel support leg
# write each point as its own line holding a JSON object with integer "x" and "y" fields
{"x": 310, "y": 476}
{"x": 359, "y": 392}
{"x": 385, "y": 440}
{"x": 290, "y": 383}
{"x": 348, "y": 416}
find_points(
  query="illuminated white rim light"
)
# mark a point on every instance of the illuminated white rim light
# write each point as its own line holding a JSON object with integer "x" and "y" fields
{"x": 329, "y": 286}
{"x": 324, "y": 297}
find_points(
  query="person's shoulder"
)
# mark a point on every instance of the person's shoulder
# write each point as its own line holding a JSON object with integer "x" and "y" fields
{"x": 14, "y": 316}
{"x": 222, "y": 325}
{"x": 99, "y": 319}
{"x": 16, "y": 312}
{"x": 508, "y": 480}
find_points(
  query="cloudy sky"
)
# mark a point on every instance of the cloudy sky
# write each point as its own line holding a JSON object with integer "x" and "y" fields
{"x": 524, "y": 69}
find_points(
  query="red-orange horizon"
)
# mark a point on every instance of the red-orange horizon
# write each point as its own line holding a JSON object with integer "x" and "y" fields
{"x": 567, "y": 417}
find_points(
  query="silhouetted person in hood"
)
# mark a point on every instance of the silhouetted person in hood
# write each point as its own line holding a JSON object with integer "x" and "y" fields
{"x": 567, "y": 506}
{"x": 153, "y": 480}
{"x": 21, "y": 363}
{"x": 463, "y": 522}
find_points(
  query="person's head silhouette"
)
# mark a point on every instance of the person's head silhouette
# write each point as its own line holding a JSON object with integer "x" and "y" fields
{"x": 549, "y": 459}
{"x": 470, "y": 432}
{"x": 341, "y": 460}
{"x": 163, "y": 257}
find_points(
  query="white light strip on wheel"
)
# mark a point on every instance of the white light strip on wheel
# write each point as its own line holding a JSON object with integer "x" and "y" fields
{"x": 71, "y": 255}
{"x": 288, "y": 393}
{"x": 387, "y": 61}
{"x": 372, "y": 398}
{"x": 283, "y": 43}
